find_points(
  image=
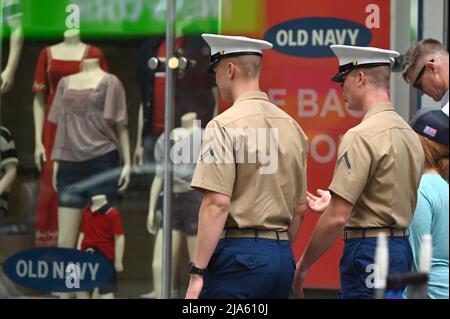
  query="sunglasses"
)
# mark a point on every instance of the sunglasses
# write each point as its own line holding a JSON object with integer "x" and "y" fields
{"x": 419, "y": 76}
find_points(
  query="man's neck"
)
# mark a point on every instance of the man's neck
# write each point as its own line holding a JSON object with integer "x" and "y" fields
{"x": 374, "y": 99}
{"x": 244, "y": 87}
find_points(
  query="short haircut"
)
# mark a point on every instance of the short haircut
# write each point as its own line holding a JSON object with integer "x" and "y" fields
{"x": 424, "y": 48}
{"x": 250, "y": 65}
{"x": 378, "y": 76}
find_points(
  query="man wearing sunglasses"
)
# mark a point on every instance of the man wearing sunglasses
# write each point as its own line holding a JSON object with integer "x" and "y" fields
{"x": 425, "y": 67}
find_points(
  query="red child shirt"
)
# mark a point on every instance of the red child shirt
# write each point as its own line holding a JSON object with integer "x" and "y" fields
{"x": 99, "y": 230}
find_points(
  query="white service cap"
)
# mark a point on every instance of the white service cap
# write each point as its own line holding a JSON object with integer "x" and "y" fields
{"x": 225, "y": 46}
{"x": 353, "y": 57}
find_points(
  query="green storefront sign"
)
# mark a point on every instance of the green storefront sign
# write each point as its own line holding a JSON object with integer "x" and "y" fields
{"x": 115, "y": 18}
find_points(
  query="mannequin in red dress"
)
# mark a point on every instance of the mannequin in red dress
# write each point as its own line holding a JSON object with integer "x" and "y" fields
{"x": 54, "y": 63}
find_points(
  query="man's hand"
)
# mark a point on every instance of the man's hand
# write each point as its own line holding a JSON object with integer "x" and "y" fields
{"x": 195, "y": 287}
{"x": 299, "y": 279}
{"x": 318, "y": 204}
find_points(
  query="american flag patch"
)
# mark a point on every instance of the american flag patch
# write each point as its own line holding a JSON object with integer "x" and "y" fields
{"x": 430, "y": 131}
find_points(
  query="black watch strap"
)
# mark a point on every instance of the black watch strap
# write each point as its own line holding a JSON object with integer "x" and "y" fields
{"x": 195, "y": 270}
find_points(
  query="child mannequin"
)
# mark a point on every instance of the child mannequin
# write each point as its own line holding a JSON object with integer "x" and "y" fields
{"x": 101, "y": 232}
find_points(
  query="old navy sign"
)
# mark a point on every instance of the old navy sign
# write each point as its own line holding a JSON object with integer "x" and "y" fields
{"x": 58, "y": 269}
{"x": 311, "y": 37}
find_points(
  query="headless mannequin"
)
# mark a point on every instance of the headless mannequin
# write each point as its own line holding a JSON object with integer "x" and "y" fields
{"x": 69, "y": 218}
{"x": 15, "y": 48}
{"x": 98, "y": 202}
{"x": 138, "y": 155}
{"x": 154, "y": 217}
{"x": 71, "y": 49}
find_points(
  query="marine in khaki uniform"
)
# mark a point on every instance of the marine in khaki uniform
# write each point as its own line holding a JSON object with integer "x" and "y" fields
{"x": 375, "y": 181}
{"x": 252, "y": 170}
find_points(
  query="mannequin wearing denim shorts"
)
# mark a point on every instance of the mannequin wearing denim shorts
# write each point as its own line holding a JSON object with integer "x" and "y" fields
{"x": 185, "y": 201}
{"x": 78, "y": 180}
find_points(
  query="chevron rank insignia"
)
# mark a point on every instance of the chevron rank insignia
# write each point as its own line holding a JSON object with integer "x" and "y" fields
{"x": 344, "y": 158}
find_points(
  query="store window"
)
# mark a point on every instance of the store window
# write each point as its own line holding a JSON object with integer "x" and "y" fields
{"x": 82, "y": 116}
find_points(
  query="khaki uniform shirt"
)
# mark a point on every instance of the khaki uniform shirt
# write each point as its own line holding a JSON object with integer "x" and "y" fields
{"x": 378, "y": 170}
{"x": 255, "y": 153}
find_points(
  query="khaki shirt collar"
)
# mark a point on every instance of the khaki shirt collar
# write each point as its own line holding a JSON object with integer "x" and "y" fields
{"x": 252, "y": 96}
{"x": 381, "y": 107}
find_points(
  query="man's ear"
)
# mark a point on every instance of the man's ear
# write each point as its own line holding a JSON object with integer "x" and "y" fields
{"x": 231, "y": 69}
{"x": 361, "y": 78}
{"x": 431, "y": 66}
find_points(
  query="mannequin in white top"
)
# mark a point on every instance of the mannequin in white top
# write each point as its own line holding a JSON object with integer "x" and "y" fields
{"x": 98, "y": 202}
{"x": 154, "y": 217}
{"x": 69, "y": 218}
{"x": 72, "y": 49}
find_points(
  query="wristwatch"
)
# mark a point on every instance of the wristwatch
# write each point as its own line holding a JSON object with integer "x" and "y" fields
{"x": 195, "y": 270}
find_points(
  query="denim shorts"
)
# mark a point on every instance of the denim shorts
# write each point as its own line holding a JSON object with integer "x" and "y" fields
{"x": 77, "y": 182}
{"x": 185, "y": 209}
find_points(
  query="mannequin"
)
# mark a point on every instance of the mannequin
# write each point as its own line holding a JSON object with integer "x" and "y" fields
{"x": 205, "y": 102}
{"x": 100, "y": 223}
{"x": 54, "y": 63}
{"x": 91, "y": 81}
{"x": 181, "y": 187}
{"x": 13, "y": 18}
{"x": 8, "y": 168}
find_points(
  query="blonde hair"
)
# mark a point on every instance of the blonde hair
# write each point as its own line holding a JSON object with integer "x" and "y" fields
{"x": 436, "y": 156}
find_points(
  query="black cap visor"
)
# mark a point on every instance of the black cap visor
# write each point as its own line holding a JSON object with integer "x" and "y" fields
{"x": 346, "y": 68}
{"x": 218, "y": 56}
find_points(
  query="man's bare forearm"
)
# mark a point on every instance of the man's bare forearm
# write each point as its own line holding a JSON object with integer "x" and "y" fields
{"x": 212, "y": 218}
{"x": 297, "y": 221}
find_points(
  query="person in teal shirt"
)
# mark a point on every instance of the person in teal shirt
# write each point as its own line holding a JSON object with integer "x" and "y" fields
{"x": 432, "y": 212}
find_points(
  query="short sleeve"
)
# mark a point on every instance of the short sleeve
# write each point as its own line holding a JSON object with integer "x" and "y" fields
{"x": 116, "y": 223}
{"x": 301, "y": 194}
{"x": 95, "y": 52}
{"x": 56, "y": 110}
{"x": 216, "y": 169}
{"x": 40, "y": 84}
{"x": 115, "y": 103}
{"x": 352, "y": 170}
{"x": 8, "y": 153}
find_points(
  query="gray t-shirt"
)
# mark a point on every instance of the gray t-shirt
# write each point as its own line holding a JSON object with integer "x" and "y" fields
{"x": 86, "y": 119}
{"x": 184, "y": 155}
